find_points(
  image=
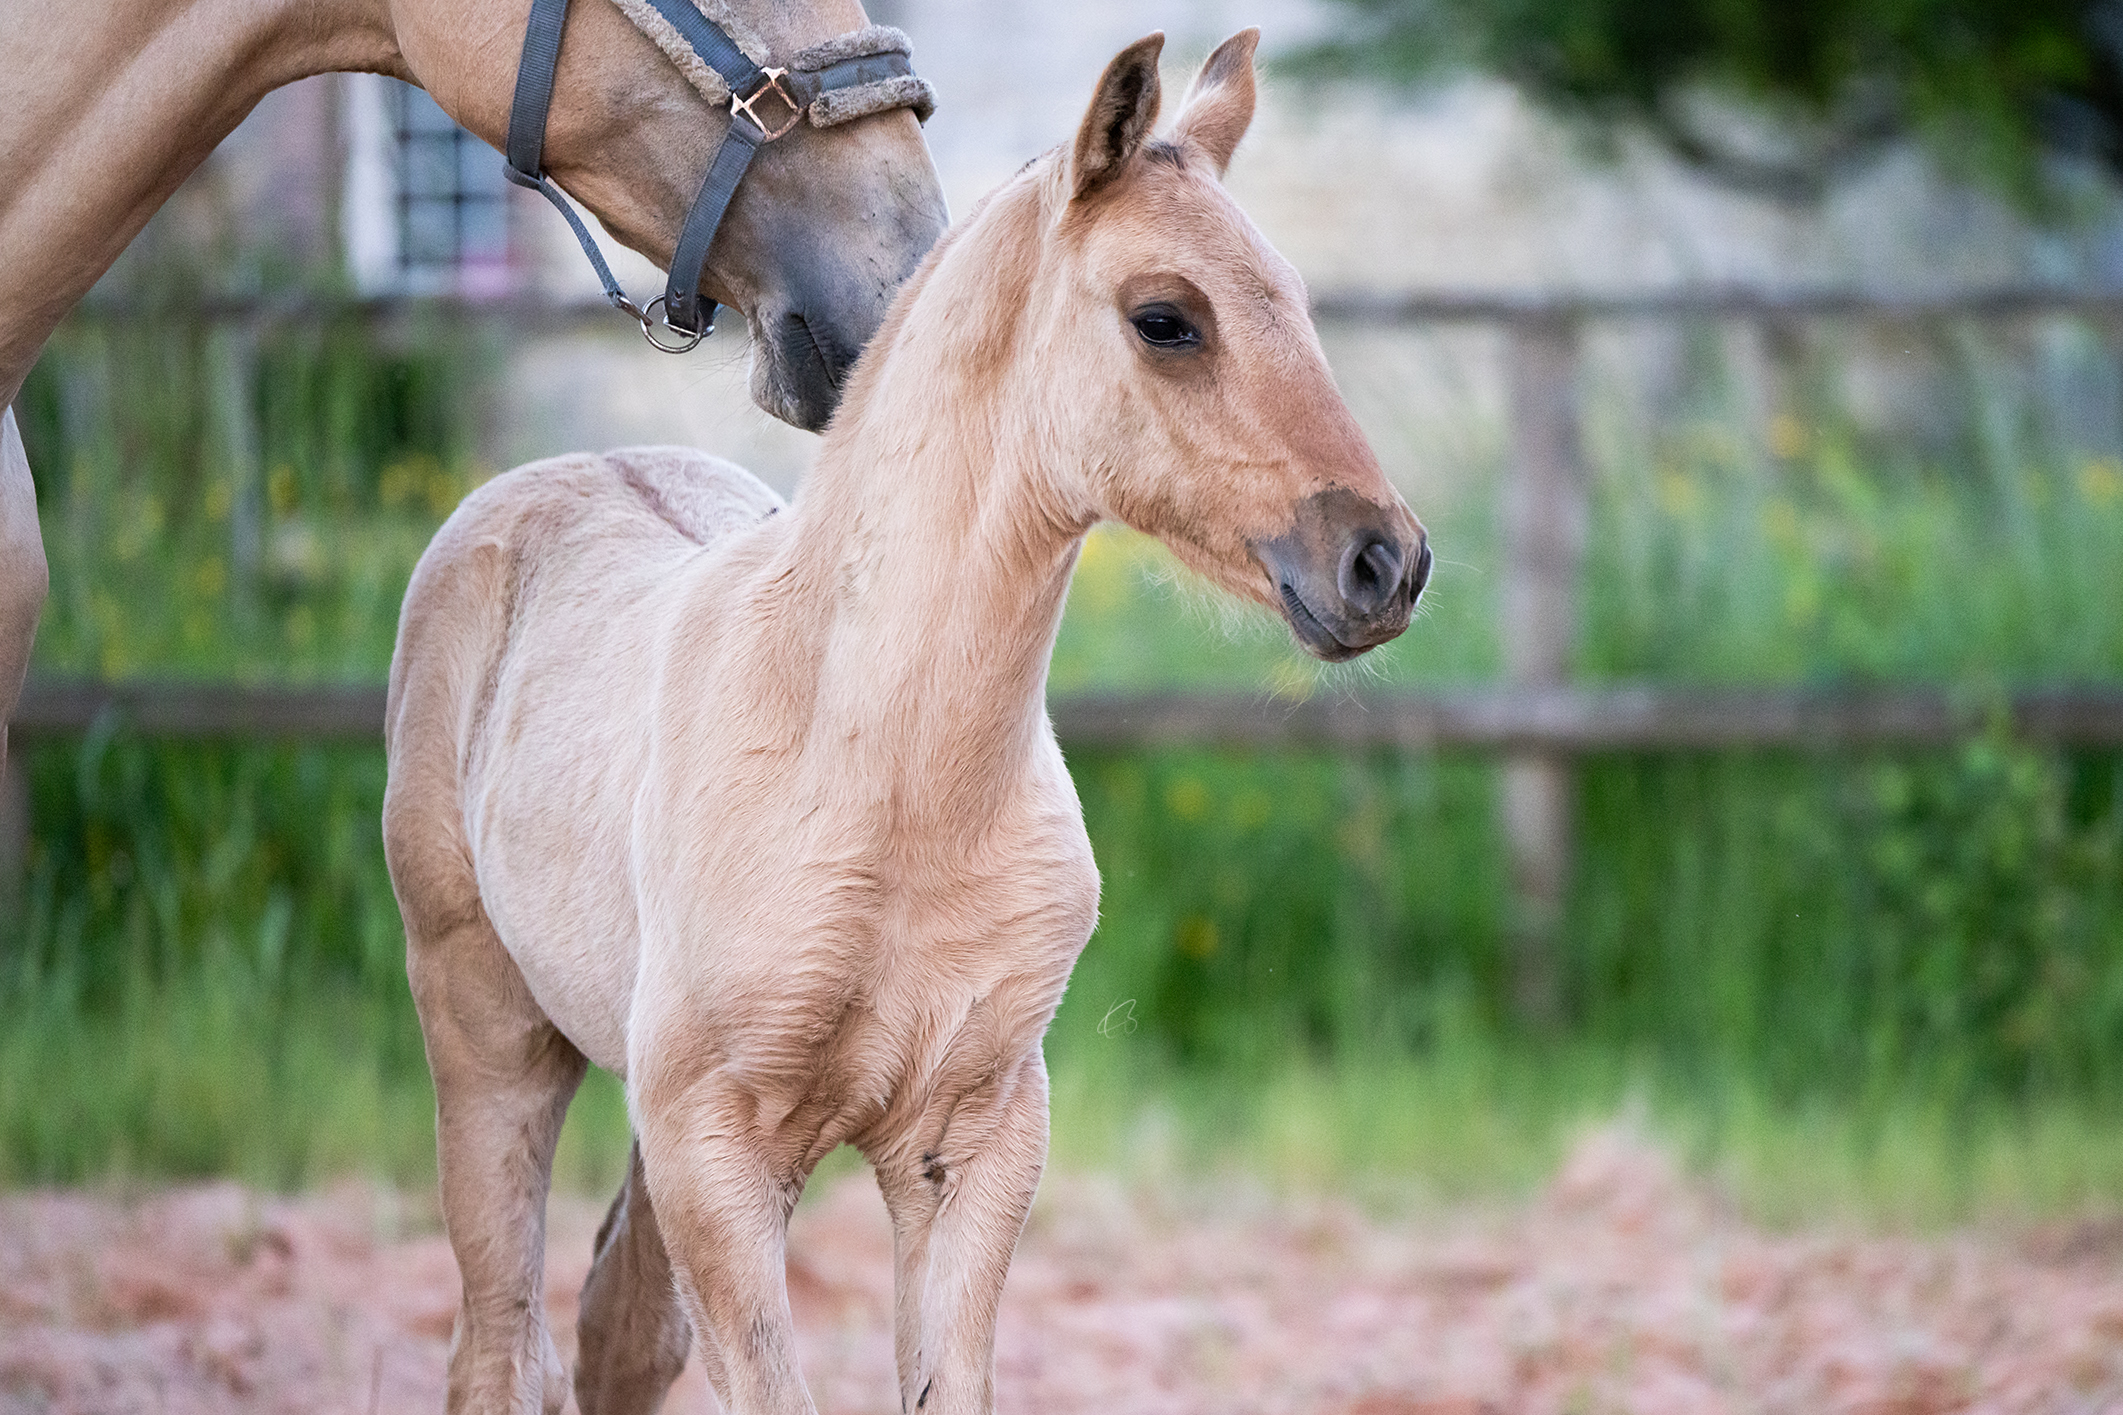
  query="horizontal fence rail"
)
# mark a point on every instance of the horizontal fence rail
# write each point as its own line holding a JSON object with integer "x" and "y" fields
{"x": 1569, "y": 719}
{"x": 352, "y": 711}
{"x": 1744, "y": 302}
{"x": 533, "y": 314}
{"x": 1593, "y": 719}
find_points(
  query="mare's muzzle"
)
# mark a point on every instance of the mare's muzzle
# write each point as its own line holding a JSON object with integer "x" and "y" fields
{"x": 821, "y": 303}
{"x": 798, "y": 373}
{"x": 1348, "y": 572}
{"x": 850, "y": 76}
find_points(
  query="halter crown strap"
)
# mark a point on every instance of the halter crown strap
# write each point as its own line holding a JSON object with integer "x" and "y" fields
{"x": 527, "y": 117}
{"x": 875, "y": 60}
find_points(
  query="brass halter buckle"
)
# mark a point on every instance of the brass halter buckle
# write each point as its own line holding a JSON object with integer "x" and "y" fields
{"x": 772, "y": 85}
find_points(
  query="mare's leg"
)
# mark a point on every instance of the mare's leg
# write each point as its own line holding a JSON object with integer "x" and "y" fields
{"x": 503, "y": 1078}
{"x": 957, "y": 1212}
{"x": 23, "y": 575}
{"x": 724, "y": 1212}
{"x": 634, "y": 1333}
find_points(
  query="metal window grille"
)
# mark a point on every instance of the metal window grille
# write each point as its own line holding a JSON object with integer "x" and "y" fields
{"x": 452, "y": 200}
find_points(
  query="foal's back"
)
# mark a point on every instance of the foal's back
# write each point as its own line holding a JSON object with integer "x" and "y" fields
{"x": 527, "y": 619}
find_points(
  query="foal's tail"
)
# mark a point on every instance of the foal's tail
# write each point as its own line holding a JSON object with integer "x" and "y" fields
{"x": 453, "y": 633}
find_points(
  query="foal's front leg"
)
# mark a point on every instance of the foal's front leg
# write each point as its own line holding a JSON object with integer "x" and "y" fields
{"x": 724, "y": 1212}
{"x": 958, "y": 1206}
{"x": 633, "y": 1332}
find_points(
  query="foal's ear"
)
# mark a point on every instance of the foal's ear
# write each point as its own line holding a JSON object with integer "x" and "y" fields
{"x": 1121, "y": 115}
{"x": 1218, "y": 107}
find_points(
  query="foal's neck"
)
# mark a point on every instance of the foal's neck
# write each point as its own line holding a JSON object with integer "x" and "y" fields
{"x": 946, "y": 599}
{"x": 932, "y": 528}
{"x": 110, "y": 106}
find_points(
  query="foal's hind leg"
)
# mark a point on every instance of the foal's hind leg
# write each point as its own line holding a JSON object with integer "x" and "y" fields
{"x": 503, "y": 1079}
{"x": 633, "y": 1329}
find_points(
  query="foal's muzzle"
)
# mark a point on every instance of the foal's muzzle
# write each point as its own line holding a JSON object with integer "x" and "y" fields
{"x": 1348, "y": 572}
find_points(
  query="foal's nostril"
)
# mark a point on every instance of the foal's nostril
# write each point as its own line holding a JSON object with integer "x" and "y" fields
{"x": 1422, "y": 571}
{"x": 1370, "y": 573}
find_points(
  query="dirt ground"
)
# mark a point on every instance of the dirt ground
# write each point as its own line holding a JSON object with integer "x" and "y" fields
{"x": 1621, "y": 1287}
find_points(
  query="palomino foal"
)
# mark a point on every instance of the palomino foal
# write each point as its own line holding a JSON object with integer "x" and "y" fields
{"x": 762, "y": 809}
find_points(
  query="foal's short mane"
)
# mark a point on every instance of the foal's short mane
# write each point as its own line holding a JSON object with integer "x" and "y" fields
{"x": 1171, "y": 154}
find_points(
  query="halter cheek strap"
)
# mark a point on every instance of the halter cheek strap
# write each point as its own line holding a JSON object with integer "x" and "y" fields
{"x": 857, "y": 74}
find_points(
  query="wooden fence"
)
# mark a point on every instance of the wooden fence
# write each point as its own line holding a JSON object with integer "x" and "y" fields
{"x": 1566, "y": 721}
{"x": 1535, "y": 718}
{"x": 1545, "y": 508}
{"x": 1541, "y": 726}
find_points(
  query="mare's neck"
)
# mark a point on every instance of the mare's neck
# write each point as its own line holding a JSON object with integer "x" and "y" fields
{"x": 110, "y": 107}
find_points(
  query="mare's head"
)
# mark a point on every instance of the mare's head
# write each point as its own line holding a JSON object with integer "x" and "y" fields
{"x": 1180, "y": 384}
{"x": 825, "y": 225}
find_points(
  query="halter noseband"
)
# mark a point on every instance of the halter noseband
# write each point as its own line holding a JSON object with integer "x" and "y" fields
{"x": 852, "y": 76}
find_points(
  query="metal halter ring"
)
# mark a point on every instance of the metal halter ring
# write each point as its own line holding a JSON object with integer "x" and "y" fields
{"x": 744, "y": 105}
{"x": 649, "y": 322}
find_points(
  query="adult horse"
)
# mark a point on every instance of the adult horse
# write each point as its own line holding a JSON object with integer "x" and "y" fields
{"x": 107, "y": 109}
{"x": 763, "y": 812}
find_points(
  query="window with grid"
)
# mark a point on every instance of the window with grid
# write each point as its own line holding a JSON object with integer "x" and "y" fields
{"x": 452, "y": 200}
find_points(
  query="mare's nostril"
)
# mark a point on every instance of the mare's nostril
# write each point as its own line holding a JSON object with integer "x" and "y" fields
{"x": 1370, "y": 573}
{"x": 1422, "y": 571}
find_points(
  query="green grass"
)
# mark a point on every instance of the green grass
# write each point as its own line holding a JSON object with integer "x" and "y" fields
{"x": 182, "y": 544}
{"x": 209, "y": 1074}
{"x": 1298, "y": 971}
{"x": 1481, "y": 1120}
{"x": 1888, "y": 983}
{"x": 206, "y": 1077}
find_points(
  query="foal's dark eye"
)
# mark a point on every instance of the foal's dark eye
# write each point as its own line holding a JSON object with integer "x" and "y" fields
{"x": 1164, "y": 327}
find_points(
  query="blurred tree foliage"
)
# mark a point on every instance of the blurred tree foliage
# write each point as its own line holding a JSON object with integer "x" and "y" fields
{"x": 1783, "y": 96}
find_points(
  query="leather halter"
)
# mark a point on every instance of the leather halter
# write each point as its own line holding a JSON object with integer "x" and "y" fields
{"x": 765, "y": 103}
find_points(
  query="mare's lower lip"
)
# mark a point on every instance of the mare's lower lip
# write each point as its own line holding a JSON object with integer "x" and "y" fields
{"x": 802, "y": 386}
{"x": 1316, "y": 636}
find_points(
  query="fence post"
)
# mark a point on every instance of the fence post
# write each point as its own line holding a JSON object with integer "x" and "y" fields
{"x": 14, "y": 821}
{"x": 235, "y": 363}
{"x": 1545, "y": 511}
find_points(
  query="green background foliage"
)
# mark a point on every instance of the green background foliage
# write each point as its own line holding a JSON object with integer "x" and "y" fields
{"x": 1992, "y": 85}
